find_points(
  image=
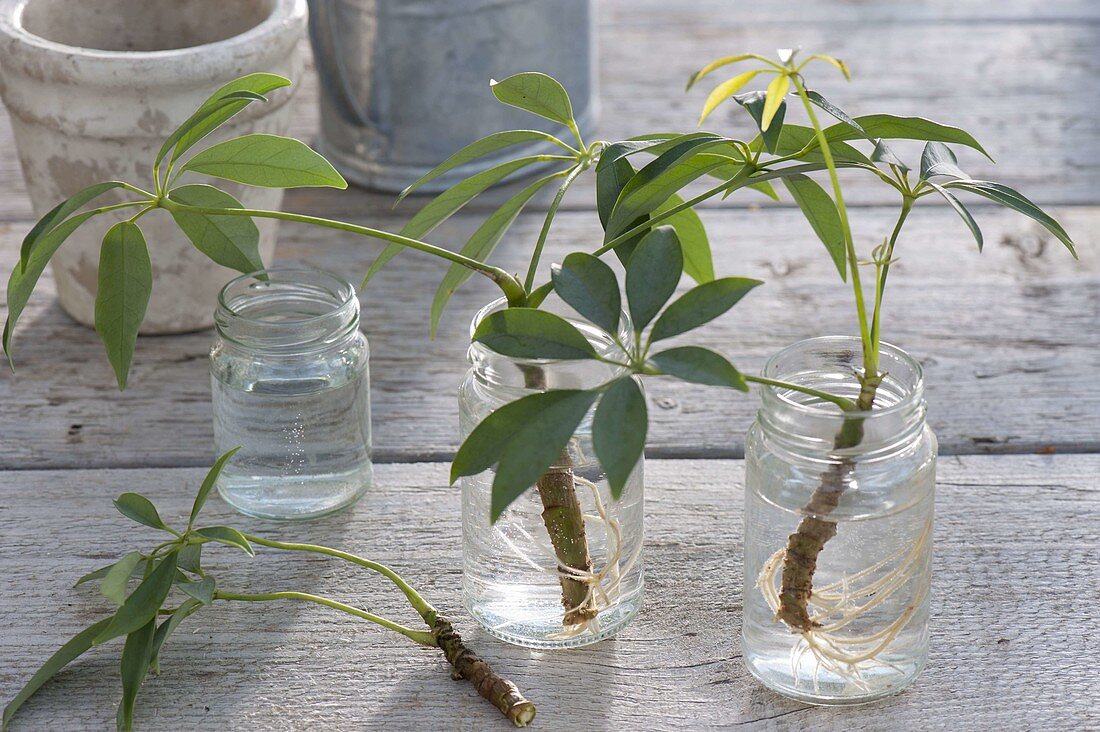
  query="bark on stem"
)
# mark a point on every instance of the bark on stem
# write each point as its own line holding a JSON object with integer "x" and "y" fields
{"x": 806, "y": 543}
{"x": 564, "y": 520}
{"x": 498, "y": 690}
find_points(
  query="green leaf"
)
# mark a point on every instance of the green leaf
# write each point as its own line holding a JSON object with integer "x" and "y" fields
{"x": 589, "y": 286}
{"x": 610, "y": 181}
{"x": 267, "y": 161}
{"x": 537, "y": 443}
{"x": 238, "y": 100}
{"x": 619, "y": 431}
{"x": 699, "y": 366}
{"x": 775, "y": 96}
{"x": 533, "y": 334}
{"x": 125, "y": 284}
{"x": 480, "y": 148}
{"x": 701, "y": 305}
{"x": 137, "y": 507}
{"x": 59, "y": 213}
{"x": 539, "y": 294}
{"x": 652, "y": 275}
{"x": 22, "y": 280}
{"x": 1015, "y": 200}
{"x": 190, "y": 558}
{"x": 76, "y": 646}
{"x": 755, "y": 104}
{"x": 115, "y": 582}
{"x": 725, "y": 90}
{"x": 938, "y": 159}
{"x": 883, "y": 154}
{"x": 231, "y": 241}
{"x": 822, "y": 103}
{"x": 484, "y": 445}
{"x": 698, "y": 260}
{"x": 443, "y": 206}
{"x": 656, "y": 145}
{"x": 820, "y": 210}
{"x": 661, "y": 178}
{"x": 228, "y": 536}
{"x": 143, "y": 603}
{"x": 258, "y": 84}
{"x": 481, "y": 245}
{"x": 187, "y": 608}
{"x": 962, "y": 211}
{"x": 535, "y": 93}
{"x": 100, "y": 573}
{"x": 764, "y": 187}
{"x": 208, "y": 485}
{"x": 902, "y": 128}
{"x": 203, "y": 590}
{"x": 792, "y": 139}
{"x": 136, "y": 655}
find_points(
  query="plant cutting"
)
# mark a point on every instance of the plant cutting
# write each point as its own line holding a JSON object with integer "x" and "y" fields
{"x": 173, "y": 583}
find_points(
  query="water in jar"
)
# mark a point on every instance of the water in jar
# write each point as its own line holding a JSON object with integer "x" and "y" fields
{"x": 511, "y": 581}
{"x": 870, "y": 589}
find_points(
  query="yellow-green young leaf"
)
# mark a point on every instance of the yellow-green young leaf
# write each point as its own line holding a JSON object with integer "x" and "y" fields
{"x": 136, "y": 655}
{"x": 208, "y": 485}
{"x": 125, "y": 284}
{"x": 589, "y": 286}
{"x": 255, "y": 84}
{"x": 481, "y": 245}
{"x": 843, "y": 67}
{"x": 532, "y": 334}
{"x": 726, "y": 61}
{"x": 699, "y": 366}
{"x": 115, "y": 582}
{"x": 535, "y": 93}
{"x": 267, "y": 161}
{"x": 481, "y": 148}
{"x": 701, "y": 305}
{"x": 143, "y": 603}
{"x": 652, "y": 275}
{"x": 537, "y": 444}
{"x": 755, "y": 104}
{"x": 619, "y": 431}
{"x": 820, "y": 210}
{"x": 725, "y": 90}
{"x": 80, "y": 643}
{"x": 776, "y": 93}
{"x": 231, "y": 241}
{"x": 23, "y": 279}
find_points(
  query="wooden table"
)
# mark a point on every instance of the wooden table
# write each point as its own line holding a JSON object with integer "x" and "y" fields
{"x": 1010, "y": 340}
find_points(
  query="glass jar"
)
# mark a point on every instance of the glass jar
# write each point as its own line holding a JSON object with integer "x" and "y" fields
{"x": 862, "y": 513}
{"x": 562, "y": 566}
{"x": 291, "y": 388}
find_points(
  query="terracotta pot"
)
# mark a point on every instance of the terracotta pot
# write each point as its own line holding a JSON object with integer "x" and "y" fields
{"x": 94, "y": 88}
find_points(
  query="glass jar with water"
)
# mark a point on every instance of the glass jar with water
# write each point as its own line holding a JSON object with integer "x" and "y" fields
{"x": 291, "y": 389}
{"x": 838, "y": 539}
{"x": 562, "y": 566}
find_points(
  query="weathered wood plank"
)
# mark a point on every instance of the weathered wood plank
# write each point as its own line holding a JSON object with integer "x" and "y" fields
{"x": 1010, "y": 647}
{"x": 1006, "y": 337}
{"x": 960, "y": 63}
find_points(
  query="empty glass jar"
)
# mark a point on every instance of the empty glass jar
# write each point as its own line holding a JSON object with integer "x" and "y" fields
{"x": 563, "y": 565}
{"x": 291, "y": 388}
{"x": 838, "y": 529}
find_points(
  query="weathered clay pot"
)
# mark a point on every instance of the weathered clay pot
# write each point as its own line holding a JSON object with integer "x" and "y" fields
{"x": 93, "y": 88}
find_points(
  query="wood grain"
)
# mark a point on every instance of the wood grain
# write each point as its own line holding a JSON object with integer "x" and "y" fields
{"x": 1005, "y": 338}
{"x": 1010, "y": 643}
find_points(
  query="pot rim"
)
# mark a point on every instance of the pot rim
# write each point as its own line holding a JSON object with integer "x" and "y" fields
{"x": 214, "y": 59}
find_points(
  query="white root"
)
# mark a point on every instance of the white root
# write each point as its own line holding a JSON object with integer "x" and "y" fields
{"x": 603, "y": 585}
{"x": 839, "y": 604}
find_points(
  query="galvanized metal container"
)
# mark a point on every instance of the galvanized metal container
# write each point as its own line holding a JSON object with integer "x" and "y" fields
{"x": 406, "y": 82}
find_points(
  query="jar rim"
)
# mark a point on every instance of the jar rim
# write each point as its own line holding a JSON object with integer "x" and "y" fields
{"x": 336, "y": 296}
{"x": 912, "y": 396}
